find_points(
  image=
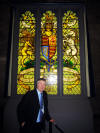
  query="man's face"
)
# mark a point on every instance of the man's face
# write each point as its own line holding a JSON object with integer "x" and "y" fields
{"x": 41, "y": 85}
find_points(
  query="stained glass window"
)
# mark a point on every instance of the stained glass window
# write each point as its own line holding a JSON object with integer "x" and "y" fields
{"x": 48, "y": 52}
{"x": 26, "y": 53}
{"x": 48, "y": 44}
{"x": 71, "y": 54}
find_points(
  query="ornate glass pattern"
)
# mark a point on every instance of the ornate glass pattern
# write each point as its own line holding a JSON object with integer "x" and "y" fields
{"x": 26, "y": 53}
{"x": 71, "y": 54}
{"x": 48, "y": 52}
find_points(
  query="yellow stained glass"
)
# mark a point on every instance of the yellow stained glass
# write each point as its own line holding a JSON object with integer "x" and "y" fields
{"x": 26, "y": 53}
{"x": 71, "y": 54}
{"x": 48, "y": 52}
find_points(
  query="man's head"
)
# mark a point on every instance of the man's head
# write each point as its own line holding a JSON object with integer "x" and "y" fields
{"x": 41, "y": 84}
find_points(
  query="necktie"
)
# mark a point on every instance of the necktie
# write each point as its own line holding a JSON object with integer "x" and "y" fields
{"x": 41, "y": 106}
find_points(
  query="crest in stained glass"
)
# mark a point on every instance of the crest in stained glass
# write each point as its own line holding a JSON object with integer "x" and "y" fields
{"x": 48, "y": 53}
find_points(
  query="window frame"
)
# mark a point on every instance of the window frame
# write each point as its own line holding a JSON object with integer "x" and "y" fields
{"x": 84, "y": 72}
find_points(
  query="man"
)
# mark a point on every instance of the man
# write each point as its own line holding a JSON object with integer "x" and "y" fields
{"x": 33, "y": 109}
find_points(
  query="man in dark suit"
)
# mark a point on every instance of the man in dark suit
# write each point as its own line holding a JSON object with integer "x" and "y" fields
{"x": 33, "y": 109}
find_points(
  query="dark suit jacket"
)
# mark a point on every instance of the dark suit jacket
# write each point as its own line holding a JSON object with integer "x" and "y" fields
{"x": 29, "y": 106}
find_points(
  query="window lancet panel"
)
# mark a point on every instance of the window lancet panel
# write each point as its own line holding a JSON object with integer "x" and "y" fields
{"x": 26, "y": 53}
{"x": 71, "y": 54}
{"x": 48, "y": 52}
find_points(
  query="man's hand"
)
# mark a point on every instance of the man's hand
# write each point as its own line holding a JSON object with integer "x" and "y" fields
{"x": 22, "y": 124}
{"x": 52, "y": 120}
